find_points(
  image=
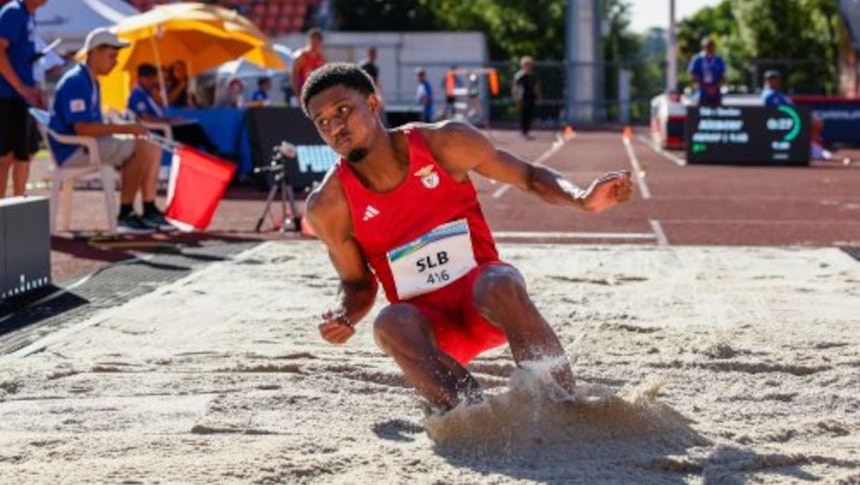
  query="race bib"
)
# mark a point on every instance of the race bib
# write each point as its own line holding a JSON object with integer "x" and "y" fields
{"x": 432, "y": 261}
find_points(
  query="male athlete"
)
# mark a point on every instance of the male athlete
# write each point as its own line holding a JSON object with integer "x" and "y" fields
{"x": 399, "y": 207}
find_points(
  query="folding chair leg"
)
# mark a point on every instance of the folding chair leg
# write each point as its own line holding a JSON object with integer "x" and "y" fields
{"x": 66, "y": 202}
{"x": 109, "y": 177}
{"x": 56, "y": 184}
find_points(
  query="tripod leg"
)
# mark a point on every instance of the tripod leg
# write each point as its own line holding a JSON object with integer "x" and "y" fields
{"x": 284, "y": 188}
{"x": 269, "y": 199}
{"x": 297, "y": 219}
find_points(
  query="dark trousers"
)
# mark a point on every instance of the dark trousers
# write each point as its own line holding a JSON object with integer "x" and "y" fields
{"x": 527, "y": 111}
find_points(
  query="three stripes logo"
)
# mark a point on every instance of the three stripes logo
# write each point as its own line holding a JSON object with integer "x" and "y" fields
{"x": 369, "y": 213}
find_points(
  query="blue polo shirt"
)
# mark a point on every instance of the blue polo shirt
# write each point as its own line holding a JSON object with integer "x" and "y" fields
{"x": 259, "y": 95}
{"x": 18, "y": 28}
{"x": 77, "y": 99}
{"x": 772, "y": 97}
{"x": 710, "y": 71}
{"x": 141, "y": 103}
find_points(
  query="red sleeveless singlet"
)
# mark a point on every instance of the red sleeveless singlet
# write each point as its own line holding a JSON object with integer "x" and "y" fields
{"x": 392, "y": 227}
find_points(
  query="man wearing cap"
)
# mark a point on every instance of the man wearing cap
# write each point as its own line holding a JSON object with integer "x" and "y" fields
{"x": 19, "y": 139}
{"x": 772, "y": 94}
{"x": 707, "y": 70}
{"x": 77, "y": 111}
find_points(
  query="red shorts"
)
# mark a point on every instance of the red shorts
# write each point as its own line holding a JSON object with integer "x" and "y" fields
{"x": 461, "y": 331}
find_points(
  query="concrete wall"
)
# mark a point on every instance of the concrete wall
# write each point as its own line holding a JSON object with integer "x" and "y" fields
{"x": 401, "y": 53}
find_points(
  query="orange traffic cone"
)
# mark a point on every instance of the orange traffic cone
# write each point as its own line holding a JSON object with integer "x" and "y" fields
{"x": 627, "y": 133}
{"x": 568, "y": 133}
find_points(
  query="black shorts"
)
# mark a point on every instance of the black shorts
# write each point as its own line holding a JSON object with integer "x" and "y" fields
{"x": 18, "y": 132}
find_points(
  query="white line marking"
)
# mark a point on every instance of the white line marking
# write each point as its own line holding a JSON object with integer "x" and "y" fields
{"x": 662, "y": 240}
{"x": 574, "y": 235}
{"x": 638, "y": 174}
{"x": 660, "y": 151}
{"x": 556, "y": 146}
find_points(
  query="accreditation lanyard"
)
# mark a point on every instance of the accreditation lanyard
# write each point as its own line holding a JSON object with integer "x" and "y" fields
{"x": 708, "y": 69}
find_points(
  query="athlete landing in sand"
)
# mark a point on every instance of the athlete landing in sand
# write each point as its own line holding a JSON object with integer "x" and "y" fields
{"x": 399, "y": 207}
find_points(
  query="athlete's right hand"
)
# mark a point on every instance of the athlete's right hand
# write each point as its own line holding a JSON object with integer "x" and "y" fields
{"x": 336, "y": 328}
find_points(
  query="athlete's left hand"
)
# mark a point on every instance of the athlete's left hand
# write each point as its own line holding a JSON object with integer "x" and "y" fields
{"x": 609, "y": 190}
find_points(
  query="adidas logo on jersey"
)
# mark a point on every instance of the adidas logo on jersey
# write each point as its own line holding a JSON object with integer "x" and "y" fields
{"x": 369, "y": 213}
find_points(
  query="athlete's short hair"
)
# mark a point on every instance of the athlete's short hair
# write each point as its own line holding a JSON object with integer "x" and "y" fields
{"x": 334, "y": 74}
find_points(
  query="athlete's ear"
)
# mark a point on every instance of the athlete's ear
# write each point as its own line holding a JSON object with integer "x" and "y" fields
{"x": 373, "y": 102}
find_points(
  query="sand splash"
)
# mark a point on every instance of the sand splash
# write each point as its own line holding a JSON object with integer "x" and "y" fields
{"x": 528, "y": 418}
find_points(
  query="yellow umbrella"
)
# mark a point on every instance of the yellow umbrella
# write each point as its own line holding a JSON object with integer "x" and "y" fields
{"x": 201, "y": 35}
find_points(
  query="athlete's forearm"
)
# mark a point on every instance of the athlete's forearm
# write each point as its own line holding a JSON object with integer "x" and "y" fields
{"x": 8, "y": 72}
{"x": 355, "y": 299}
{"x": 552, "y": 187}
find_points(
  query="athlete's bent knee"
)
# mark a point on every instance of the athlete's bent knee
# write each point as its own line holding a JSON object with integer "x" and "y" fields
{"x": 394, "y": 324}
{"x": 498, "y": 286}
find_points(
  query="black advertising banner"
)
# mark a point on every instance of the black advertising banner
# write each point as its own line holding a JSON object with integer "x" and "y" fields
{"x": 271, "y": 126}
{"x": 748, "y": 135}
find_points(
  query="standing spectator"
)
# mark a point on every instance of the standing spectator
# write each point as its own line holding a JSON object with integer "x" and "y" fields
{"x": 369, "y": 66}
{"x": 19, "y": 139}
{"x": 526, "y": 92}
{"x": 707, "y": 70}
{"x": 260, "y": 97}
{"x": 307, "y": 59}
{"x": 424, "y": 95}
{"x": 77, "y": 111}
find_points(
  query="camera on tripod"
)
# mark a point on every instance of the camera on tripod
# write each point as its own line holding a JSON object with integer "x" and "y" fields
{"x": 281, "y": 154}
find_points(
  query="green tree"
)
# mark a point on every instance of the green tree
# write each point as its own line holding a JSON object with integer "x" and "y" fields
{"x": 513, "y": 27}
{"x": 384, "y": 15}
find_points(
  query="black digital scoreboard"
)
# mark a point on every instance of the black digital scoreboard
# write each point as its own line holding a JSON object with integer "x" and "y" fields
{"x": 748, "y": 135}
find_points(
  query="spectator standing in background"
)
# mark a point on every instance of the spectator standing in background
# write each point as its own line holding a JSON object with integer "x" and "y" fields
{"x": 369, "y": 66}
{"x": 307, "y": 59}
{"x": 707, "y": 71}
{"x": 424, "y": 95}
{"x": 19, "y": 139}
{"x": 526, "y": 92}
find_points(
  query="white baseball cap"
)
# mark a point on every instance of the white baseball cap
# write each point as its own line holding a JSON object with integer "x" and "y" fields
{"x": 103, "y": 36}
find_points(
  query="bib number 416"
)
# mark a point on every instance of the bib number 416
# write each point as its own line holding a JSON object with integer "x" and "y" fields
{"x": 431, "y": 265}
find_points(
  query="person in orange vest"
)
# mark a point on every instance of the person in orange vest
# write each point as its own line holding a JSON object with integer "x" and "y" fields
{"x": 307, "y": 59}
{"x": 450, "y": 84}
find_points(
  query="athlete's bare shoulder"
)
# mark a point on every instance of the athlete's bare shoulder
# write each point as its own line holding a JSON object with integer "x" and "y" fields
{"x": 457, "y": 146}
{"x": 327, "y": 209}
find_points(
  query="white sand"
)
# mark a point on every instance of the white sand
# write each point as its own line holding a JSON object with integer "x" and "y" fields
{"x": 753, "y": 354}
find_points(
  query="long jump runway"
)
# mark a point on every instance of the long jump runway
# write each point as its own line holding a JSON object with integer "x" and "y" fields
{"x": 682, "y": 205}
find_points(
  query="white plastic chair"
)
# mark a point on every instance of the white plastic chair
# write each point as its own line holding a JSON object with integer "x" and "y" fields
{"x": 64, "y": 178}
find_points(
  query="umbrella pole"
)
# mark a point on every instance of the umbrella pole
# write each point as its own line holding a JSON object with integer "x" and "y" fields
{"x": 161, "y": 83}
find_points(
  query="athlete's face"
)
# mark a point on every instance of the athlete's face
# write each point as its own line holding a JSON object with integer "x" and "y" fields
{"x": 345, "y": 119}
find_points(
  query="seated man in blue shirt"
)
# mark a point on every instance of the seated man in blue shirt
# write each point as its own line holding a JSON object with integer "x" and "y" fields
{"x": 143, "y": 105}
{"x": 707, "y": 70}
{"x": 260, "y": 97}
{"x": 772, "y": 95}
{"x": 77, "y": 111}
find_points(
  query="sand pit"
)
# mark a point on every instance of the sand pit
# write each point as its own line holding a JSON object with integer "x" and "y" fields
{"x": 714, "y": 365}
